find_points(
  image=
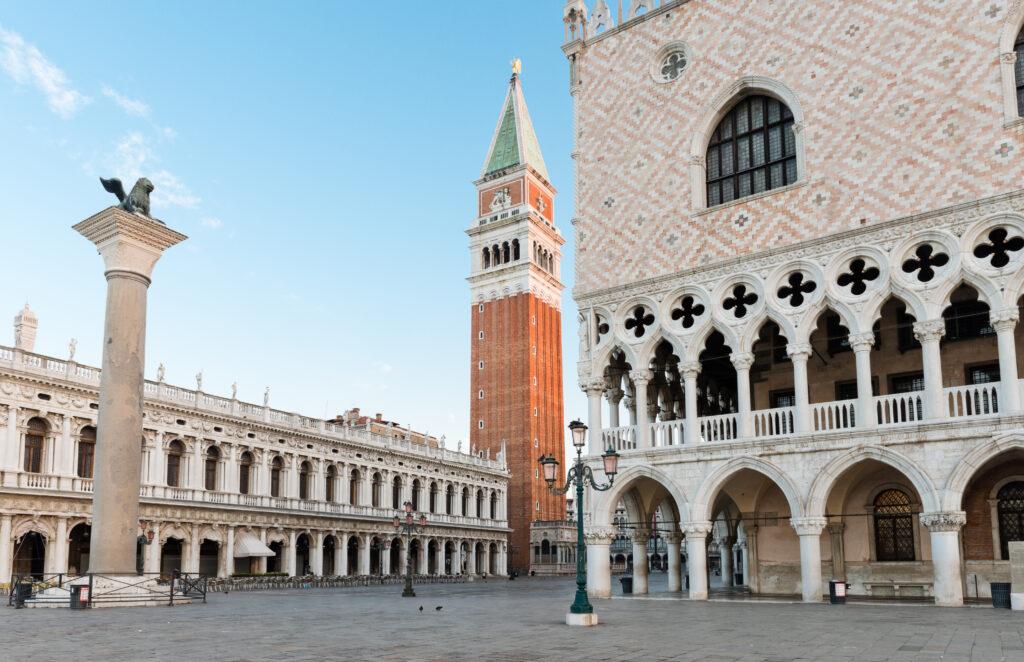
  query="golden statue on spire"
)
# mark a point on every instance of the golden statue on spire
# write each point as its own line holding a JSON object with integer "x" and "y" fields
{"x": 517, "y": 67}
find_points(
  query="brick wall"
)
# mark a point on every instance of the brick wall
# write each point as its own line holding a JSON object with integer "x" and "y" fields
{"x": 977, "y": 533}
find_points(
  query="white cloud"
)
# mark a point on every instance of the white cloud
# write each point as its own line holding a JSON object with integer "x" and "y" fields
{"x": 131, "y": 106}
{"x": 385, "y": 367}
{"x": 212, "y": 223}
{"x": 132, "y": 155}
{"x": 27, "y": 66}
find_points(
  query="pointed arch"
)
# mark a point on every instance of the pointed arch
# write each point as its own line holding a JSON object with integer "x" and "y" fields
{"x": 716, "y": 480}
{"x": 752, "y": 330}
{"x": 646, "y": 352}
{"x": 830, "y": 473}
{"x": 606, "y": 502}
{"x": 700, "y": 338}
{"x": 972, "y": 461}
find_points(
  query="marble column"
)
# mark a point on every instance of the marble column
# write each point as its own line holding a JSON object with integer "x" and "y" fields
{"x": 364, "y": 553}
{"x": 799, "y": 353}
{"x": 929, "y": 333}
{"x": 745, "y": 561}
{"x": 835, "y": 535}
{"x": 809, "y": 529}
{"x": 862, "y": 343}
{"x": 194, "y": 545}
{"x": 471, "y": 558}
{"x": 614, "y": 397}
{"x": 641, "y": 378}
{"x": 6, "y": 549}
{"x": 291, "y": 555}
{"x": 316, "y": 555}
{"x": 385, "y": 558}
{"x": 229, "y": 552}
{"x": 751, "y": 574}
{"x": 1004, "y": 322}
{"x": 725, "y": 553}
{"x": 944, "y": 529}
{"x": 10, "y": 450}
{"x": 59, "y": 549}
{"x": 674, "y": 562}
{"x": 629, "y": 402}
{"x": 742, "y": 361}
{"x": 424, "y": 558}
{"x": 130, "y": 245}
{"x": 403, "y": 558}
{"x": 697, "y": 557}
{"x": 261, "y": 561}
{"x": 599, "y": 567}
{"x": 152, "y": 551}
{"x": 342, "y": 555}
{"x": 640, "y": 563}
{"x": 689, "y": 372}
{"x": 594, "y": 389}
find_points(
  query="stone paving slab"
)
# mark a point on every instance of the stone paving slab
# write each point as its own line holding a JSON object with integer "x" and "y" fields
{"x": 516, "y": 621}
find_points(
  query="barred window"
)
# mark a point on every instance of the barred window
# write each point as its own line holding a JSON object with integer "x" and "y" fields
{"x": 894, "y": 526}
{"x": 752, "y": 150}
{"x": 1010, "y": 508}
{"x": 1018, "y": 70}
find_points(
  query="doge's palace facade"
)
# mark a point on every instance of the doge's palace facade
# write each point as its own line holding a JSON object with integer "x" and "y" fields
{"x": 800, "y": 263}
{"x": 233, "y": 487}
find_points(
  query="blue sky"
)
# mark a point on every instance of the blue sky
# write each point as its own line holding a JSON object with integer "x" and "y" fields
{"x": 319, "y": 156}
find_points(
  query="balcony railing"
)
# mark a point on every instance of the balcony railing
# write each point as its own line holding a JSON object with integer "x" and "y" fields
{"x": 893, "y": 410}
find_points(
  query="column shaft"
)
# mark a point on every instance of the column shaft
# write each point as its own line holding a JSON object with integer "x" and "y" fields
{"x": 1004, "y": 323}
{"x": 640, "y": 380}
{"x": 809, "y": 530}
{"x": 798, "y": 354}
{"x": 640, "y": 564}
{"x": 928, "y": 334}
{"x": 862, "y": 344}
{"x": 692, "y": 427}
{"x": 674, "y": 564}
{"x": 697, "y": 558}
{"x": 742, "y": 362}
{"x": 944, "y": 529}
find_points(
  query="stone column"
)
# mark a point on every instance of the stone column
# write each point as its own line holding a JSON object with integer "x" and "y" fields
{"x": 745, "y": 561}
{"x": 364, "y": 553}
{"x": 457, "y": 559}
{"x": 598, "y": 560}
{"x": 674, "y": 562}
{"x": 316, "y": 555}
{"x": 59, "y": 550}
{"x": 130, "y": 245}
{"x": 725, "y": 552}
{"x": 929, "y": 333}
{"x": 1004, "y": 322}
{"x": 697, "y": 557}
{"x": 6, "y": 550}
{"x": 151, "y": 561}
{"x": 66, "y": 456}
{"x": 230, "y": 478}
{"x": 742, "y": 361}
{"x": 835, "y": 535}
{"x": 809, "y": 529}
{"x": 403, "y": 557}
{"x": 594, "y": 389}
{"x": 290, "y": 555}
{"x": 862, "y": 344}
{"x": 9, "y": 453}
{"x": 191, "y": 563}
{"x": 614, "y": 397}
{"x": 689, "y": 372}
{"x": 342, "y": 563}
{"x": 799, "y": 353}
{"x": 944, "y": 528}
{"x": 629, "y": 402}
{"x": 339, "y": 568}
{"x": 751, "y": 576}
{"x": 385, "y": 558}
{"x": 424, "y": 558}
{"x": 641, "y": 378}
{"x": 261, "y": 562}
{"x": 229, "y": 551}
{"x": 198, "y": 481}
{"x": 640, "y": 563}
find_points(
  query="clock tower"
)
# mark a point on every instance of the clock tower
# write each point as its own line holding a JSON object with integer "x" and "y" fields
{"x": 516, "y": 341}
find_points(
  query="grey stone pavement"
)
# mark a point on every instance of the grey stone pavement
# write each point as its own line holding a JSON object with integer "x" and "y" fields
{"x": 509, "y": 621}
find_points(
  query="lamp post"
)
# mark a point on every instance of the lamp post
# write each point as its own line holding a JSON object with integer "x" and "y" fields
{"x": 580, "y": 474}
{"x": 407, "y": 522}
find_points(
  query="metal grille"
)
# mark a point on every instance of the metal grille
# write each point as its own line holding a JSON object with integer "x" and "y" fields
{"x": 1011, "y": 515}
{"x": 1018, "y": 69}
{"x": 894, "y": 527}
{"x": 752, "y": 150}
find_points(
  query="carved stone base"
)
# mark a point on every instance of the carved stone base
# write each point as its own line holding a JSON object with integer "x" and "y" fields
{"x": 585, "y": 620}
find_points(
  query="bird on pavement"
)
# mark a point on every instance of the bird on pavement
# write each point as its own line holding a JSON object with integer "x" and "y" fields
{"x": 438, "y": 608}
{"x": 421, "y": 607}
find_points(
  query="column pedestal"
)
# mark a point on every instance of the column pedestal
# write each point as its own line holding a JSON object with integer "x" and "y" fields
{"x": 130, "y": 245}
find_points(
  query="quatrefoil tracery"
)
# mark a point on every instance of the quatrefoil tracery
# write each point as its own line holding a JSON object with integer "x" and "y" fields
{"x": 999, "y": 247}
{"x": 926, "y": 262}
{"x": 689, "y": 310}
{"x": 858, "y": 277}
{"x": 638, "y": 321}
{"x": 796, "y": 289}
{"x": 740, "y": 301}
{"x": 602, "y": 327}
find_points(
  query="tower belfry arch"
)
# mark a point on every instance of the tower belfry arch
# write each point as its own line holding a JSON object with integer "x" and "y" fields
{"x": 516, "y": 358}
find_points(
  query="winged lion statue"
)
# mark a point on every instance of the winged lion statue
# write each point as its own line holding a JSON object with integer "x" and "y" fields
{"x": 137, "y": 201}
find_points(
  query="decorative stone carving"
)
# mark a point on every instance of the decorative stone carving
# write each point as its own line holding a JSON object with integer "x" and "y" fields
{"x": 861, "y": 342}
{"x": 808, "y": 526}
{"x": 740, "y": 360}
{"x": 952, "y": 520}
{"x": 603, "y": 535}
{"x": 697, "y": 529}
{"x": 929, "y": 330}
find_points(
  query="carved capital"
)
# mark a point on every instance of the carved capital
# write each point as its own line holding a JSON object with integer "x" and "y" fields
{"x": 640, "y": 536}
{"x": 929, "y": 330}
{"x": 862, "y": 342}
{"x": 641, "y": 377}
{"x": 129, "y": 243}
{"x": 674, "y": 537}
{"x": 798, "y": 351}
{"x": 951, "y": 520}
{"x": 599, "y": 535}
{"x": 697, "y": 529}
{"x": 836, "y": 528}
{"x": 742, "y": 360}
{"x": 1004, "y": 319}
{"x": 629, "y": 402}
{"x": 614, "y": 395}
{"x": 808, "y": 526}
{"x": 689, "y": 369}
{"x": 593, "y": 386}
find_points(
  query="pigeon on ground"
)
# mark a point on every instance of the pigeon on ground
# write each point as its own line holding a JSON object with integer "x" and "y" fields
{"x": 438, "y": 608}
{"x": 421, "y": 607}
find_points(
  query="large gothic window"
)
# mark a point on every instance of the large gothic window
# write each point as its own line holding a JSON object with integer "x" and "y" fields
{"x": 1010, "y": 507}
{"x": 1018, "y": 71}
{"x": 752, "y": 150}
{"x": 894, "y": 526}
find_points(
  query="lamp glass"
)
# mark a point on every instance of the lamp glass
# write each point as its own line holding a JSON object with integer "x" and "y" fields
{"x": 579, "y": 434}
{"x": 611, "y": 462}
{"x": 550, "y": 466}
{"x": 408, "y": 506}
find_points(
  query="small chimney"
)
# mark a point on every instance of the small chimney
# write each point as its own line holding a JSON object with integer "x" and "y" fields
{"x": 25, "y": 325}
{"x": 379, "y": 416}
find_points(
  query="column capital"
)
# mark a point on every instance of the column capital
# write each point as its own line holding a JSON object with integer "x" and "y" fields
{"x": 594, "y": 386}
{"x": 930, "y": 330}
{"x": 641, "y": 536}
{"x": 600, "y": 535}
{"x": 742, "y": 360}
{"x": 1004, "y": 319}
{"x": 836, "y": 528}
{"x": 862, "y": 342}
{"x": 129, "y": 243}
{"x": 674, "y": 537}
{"x": 798, "y": 350}
{"x": 808, "y": 526}
{"x": 950, "y": 520}
{"x": 614, "y": 395}
{"x": 689, "y": 369}
{"x": 697, "y": 529}
{"x": 641, "y": 377}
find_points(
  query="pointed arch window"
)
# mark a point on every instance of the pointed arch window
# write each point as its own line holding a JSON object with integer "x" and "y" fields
{"x": 894, "y": 526}
{"x": 752, "y": 150}
{"x": 1010, "y": 510}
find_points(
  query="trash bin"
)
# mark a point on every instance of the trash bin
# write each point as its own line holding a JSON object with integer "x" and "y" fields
{"x": 627, "y": 585}
{"x": 79, "y": 596}
{"x": 1000, "y": 595}
{"x": 837, "y": 592}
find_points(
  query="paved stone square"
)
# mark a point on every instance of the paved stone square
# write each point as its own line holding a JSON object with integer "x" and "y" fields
{"x": 503, "y": 620}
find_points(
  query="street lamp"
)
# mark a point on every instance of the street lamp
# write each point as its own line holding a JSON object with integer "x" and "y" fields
{"x": 580, "y": 474}
{"x": 408, "y": 523}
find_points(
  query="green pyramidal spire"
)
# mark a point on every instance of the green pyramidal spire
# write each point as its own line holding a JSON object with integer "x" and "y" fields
{"x": 514, "y": 142}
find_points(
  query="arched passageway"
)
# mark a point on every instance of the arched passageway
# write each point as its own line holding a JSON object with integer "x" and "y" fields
{"x": 30, "y": 555}
{"x": 78, "y": 549}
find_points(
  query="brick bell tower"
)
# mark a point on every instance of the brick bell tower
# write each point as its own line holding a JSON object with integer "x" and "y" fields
{"x": 516, "y": 356}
